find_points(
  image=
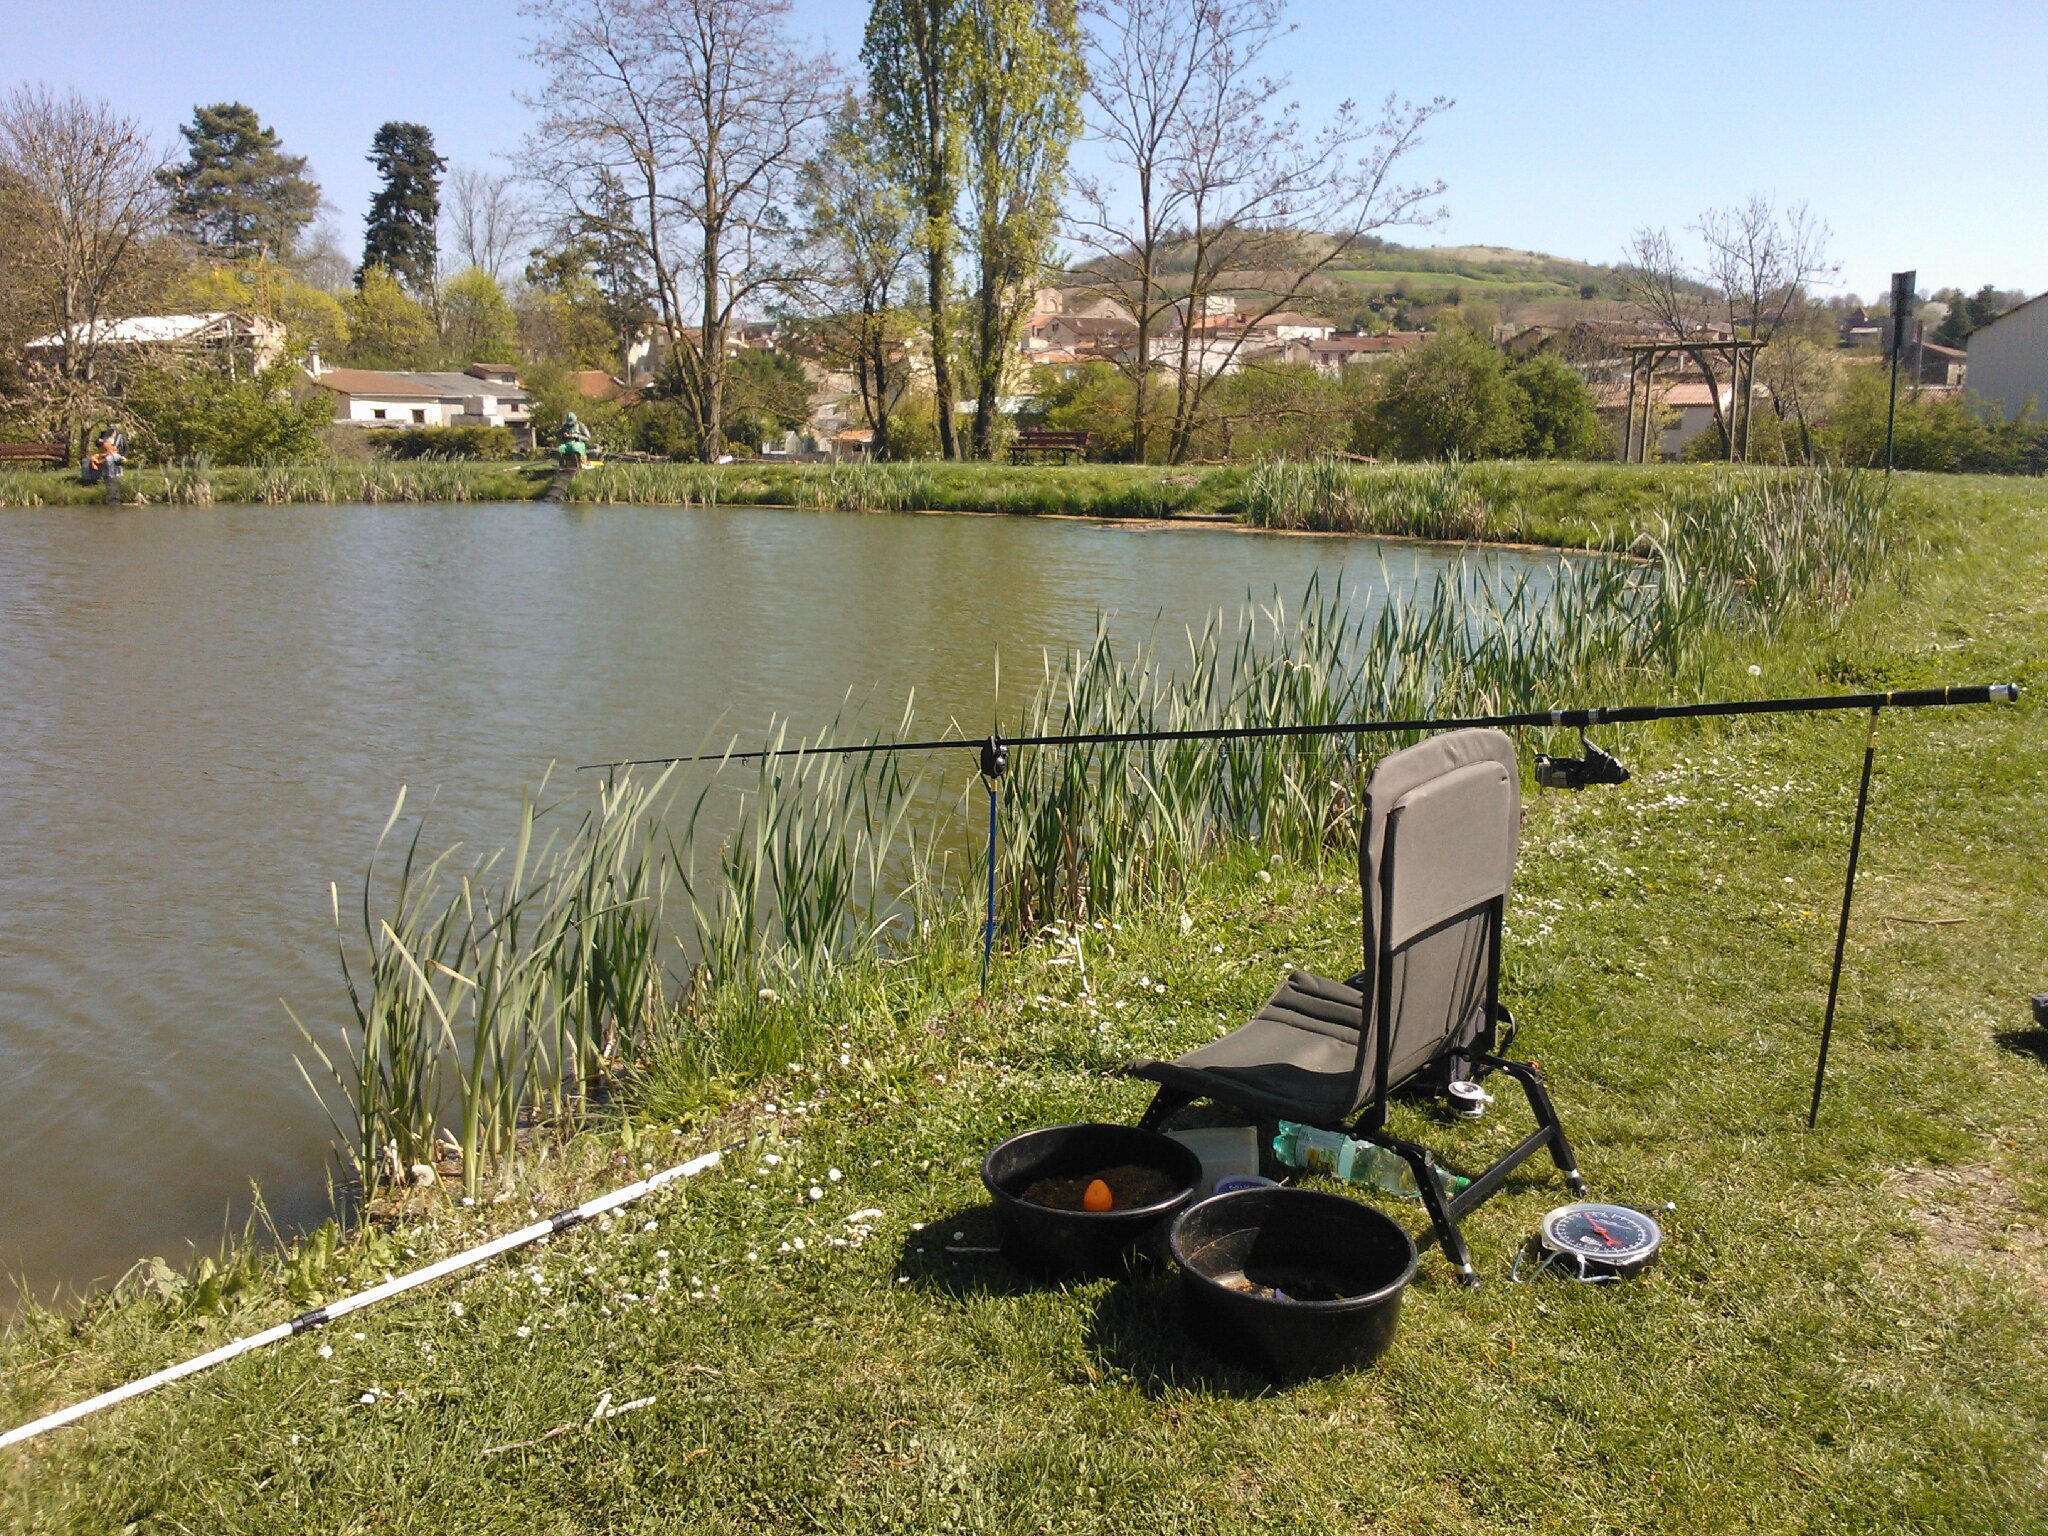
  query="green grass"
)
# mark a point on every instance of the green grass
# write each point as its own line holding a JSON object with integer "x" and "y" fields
{"x": 1849, "y": 1331}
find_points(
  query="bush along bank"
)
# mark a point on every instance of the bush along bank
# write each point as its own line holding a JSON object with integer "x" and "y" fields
{"x": 1644, "y": 924}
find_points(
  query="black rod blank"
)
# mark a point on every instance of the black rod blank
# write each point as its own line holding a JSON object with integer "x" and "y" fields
{"x": 1827, "y": 1023}
{"x": 1623, "y": 714}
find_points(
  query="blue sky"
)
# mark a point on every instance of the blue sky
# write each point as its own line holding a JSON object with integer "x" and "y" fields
{"x": 1556, "y": 143}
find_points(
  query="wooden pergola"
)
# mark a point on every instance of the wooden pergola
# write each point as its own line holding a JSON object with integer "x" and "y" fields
{"x": 1643, "y": 356}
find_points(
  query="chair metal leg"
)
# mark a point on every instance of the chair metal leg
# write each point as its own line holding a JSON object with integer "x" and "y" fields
{"x": 1165, "y": 1102}
{"x": 1422, "y": 1166}
{"x": 1540, "y": 1106}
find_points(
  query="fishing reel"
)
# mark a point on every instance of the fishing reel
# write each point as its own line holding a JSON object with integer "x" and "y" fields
{"x": 1596, "y": 767}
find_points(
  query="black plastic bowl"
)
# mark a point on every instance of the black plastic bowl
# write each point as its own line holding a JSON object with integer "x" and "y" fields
{"x": 1340, "y": 1268}
{"x": 1054, "y": 1243}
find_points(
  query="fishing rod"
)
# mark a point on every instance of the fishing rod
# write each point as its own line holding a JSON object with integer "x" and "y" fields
{"x": 1571, "y": 773}
{"x": 319, "y": 1317}
{"x": 1616, "y": 714}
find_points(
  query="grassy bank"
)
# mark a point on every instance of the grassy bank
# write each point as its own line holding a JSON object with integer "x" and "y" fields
{"x": 1567, "y": 505}
{"x": 1846, "y": 1334}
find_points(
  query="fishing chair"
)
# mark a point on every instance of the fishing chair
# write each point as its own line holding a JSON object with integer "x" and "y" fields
{"x": 1436, "y": 853}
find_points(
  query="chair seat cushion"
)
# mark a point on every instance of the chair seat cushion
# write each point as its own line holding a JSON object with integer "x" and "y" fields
{"x": 1297, "y": 1058}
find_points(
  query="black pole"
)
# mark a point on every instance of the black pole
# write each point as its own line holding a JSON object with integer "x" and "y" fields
{"x": 993, "y": 760}
{"x": 1827, "y": 1026}
{"x": 1891, "y": 410}
{"x": 1623, "y": 714}
{"x": 1904, "y": 285}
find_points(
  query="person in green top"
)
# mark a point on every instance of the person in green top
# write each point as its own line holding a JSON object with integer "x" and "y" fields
{"x": 572, "y": 443}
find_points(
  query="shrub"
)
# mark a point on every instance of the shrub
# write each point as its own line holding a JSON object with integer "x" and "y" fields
{"x": 449, "y": 443}
{"x": 1448, "y": 398}
{"x": 1562, "y": 419}
{"x": 189, "y": 413}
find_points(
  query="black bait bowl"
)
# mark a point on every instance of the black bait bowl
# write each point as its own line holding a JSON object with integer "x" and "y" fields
{"x": 1054, "y": 1242}
{"x": 1297, "y": 1282}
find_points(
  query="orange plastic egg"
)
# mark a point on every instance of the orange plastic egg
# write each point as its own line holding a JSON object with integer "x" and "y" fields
{"x": 1096, "y": 1197}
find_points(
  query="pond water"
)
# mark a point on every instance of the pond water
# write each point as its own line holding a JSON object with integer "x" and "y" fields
{"x": 207, "y": 714}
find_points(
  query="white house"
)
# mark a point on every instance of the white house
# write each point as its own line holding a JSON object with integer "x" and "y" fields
{"x": 482, "y": 395}
{"x": 2009, "y": 358}
{"x": 240, "y": 342}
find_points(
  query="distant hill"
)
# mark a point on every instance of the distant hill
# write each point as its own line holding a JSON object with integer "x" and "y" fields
{"x": 1386, "y": 274}
{"x": 1379, "y": 281}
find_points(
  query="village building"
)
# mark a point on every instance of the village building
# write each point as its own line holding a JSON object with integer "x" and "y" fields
{"x": 237, "y": 343}
{"x": 482, "y": 395}
{"x": 1332, "y": 354}
{"x": 2008, "y": 358}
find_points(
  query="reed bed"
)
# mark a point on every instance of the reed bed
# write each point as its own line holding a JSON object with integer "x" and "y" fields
{"x": 677, "y": 912}
{"x": 1430, "y": 501}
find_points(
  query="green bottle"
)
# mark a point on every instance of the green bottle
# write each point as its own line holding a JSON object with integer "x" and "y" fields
{"x": 1364, "y": 1163}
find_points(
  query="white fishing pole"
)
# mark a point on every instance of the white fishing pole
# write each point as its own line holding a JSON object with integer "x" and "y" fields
{"x": 561, "y": 1221}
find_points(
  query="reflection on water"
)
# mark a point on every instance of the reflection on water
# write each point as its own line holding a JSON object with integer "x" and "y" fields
{"x": 208, "y": 712}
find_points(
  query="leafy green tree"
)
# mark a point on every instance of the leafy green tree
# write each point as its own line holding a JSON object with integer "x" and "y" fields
{"x": 1448, "y": 398}
{"x": 1020, "y": 116}
{"x": 238, "y": 193}
{"x": 767, "y": 394}
{"x": 312, "y": 317}
{"x": 388, "y": 327}
{"x": 1562, "y": 418}
{"x": 857, "y": 227}
{"x": 399, "y": 234}
{"x": 1096, "y": 398}
{"x": 477, "y": 323}
{"x": 563, "y": 315}
{"x": 228, "y": 418}
{"x": 1284, "y": 410}
{"x": 918, "y": 55}
{"x": 555, "y": 394}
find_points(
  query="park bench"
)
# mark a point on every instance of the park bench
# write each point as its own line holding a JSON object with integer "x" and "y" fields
{"x": 50, "y": 454}
{"x": 1039, "y": 440}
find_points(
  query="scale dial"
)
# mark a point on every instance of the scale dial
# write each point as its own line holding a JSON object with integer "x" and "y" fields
{"x": 1603, "y": 1237}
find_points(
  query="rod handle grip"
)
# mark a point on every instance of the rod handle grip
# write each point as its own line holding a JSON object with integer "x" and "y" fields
{"x": 1973, "y": 693}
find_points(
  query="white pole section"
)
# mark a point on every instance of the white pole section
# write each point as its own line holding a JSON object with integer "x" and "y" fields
{"x": 397, "y": 1286}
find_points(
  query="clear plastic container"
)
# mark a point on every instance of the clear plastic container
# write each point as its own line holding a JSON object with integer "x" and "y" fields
{"x": 1365, "y": 1163}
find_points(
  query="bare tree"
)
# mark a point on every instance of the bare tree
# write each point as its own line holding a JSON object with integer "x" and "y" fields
{"x": 1233, "y": 194}
{"x": 703, "y": 112}
{"x": 83, "y": 196}
{"x": 488, "y": 218}
{"x": 1144, "y": 57}
{"x": 1759, "y": 267}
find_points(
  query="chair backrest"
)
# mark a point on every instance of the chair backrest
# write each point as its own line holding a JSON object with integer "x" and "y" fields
{"x": 1442, "y": 820}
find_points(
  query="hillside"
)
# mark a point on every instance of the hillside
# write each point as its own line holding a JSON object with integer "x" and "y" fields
{"x": 1382, "y": 282}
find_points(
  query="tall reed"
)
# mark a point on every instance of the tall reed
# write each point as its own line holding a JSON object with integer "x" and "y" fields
{"x": 669, "y": 911}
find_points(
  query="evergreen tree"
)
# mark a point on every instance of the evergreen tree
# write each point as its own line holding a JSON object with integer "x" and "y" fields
{"x": 237, "y": 193}
{"x": 399, "y": 234}
{"x": 1985, "y": 306}
{"x": 1955, "y": 325}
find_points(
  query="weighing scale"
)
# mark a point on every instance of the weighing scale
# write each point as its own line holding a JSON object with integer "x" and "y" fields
{"x": 1592, "y": 1240}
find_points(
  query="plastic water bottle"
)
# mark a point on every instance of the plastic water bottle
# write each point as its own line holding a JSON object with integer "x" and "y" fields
{"x": 1364, "y": 1163}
